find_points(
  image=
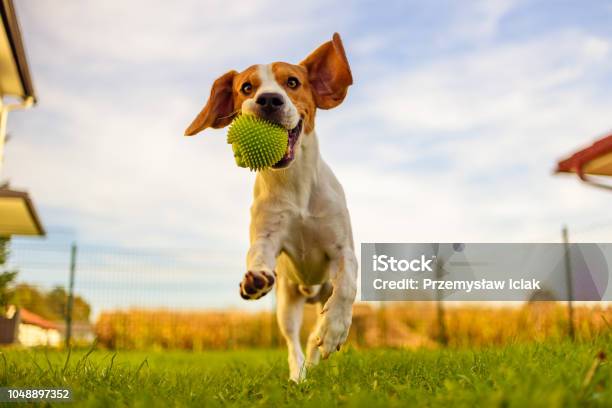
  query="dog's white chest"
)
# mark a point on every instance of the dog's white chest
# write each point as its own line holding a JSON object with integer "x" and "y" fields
{"x": 305, "y": 250}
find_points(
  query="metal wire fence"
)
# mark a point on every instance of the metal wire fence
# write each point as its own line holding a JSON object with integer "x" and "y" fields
{"x": 117, "y": 282}
{"x": 117, "y": 278}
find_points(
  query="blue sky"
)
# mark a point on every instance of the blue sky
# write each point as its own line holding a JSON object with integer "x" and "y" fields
{"x": 457, "y": 117}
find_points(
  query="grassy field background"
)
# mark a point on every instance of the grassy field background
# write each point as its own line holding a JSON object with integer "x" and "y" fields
{"x": 538, "y": 374}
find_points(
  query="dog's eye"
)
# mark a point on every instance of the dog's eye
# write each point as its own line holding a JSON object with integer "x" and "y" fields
{"x": 293, "y": 82}
{"x": 246, "y": 88}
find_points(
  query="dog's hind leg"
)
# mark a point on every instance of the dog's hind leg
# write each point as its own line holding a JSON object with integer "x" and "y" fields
{"x": 313, "y": 355}
{"x": 289, "y": 312}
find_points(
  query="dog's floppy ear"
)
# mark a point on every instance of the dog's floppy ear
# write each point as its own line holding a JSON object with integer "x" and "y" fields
{"x": 219, "y": 110}
{"x": 329, "y": 73}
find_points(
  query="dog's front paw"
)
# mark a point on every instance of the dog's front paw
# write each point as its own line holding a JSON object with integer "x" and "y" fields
{"x": 256, "y": 284}
{"x": 333, "y": 328}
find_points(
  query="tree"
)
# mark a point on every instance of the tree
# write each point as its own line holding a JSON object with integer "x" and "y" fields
{"x": 57, "y": 299}
{"x": 51, "y": 305}
{"x": 30, "y": 298}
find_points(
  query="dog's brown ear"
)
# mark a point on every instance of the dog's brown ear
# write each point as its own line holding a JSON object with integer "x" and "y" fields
{"x": 329, "y": 73}
{"x": 219, "y": 110}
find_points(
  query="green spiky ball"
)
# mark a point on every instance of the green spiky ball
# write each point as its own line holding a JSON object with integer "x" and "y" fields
{"x": 256, "y": 142}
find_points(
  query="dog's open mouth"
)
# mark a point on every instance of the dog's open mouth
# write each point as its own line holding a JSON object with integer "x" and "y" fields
{"x": 293, "y": 135}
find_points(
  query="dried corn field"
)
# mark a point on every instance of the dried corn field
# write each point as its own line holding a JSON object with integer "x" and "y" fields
{"x": 401, "y": 325}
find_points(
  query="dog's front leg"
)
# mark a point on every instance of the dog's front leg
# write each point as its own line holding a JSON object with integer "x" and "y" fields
{"x": 261, "y": 259}
{"x": 335, "y": 322}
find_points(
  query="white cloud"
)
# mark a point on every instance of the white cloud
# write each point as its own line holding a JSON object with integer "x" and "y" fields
{"x": 144, "y": 32}
{"x": 479, "y": 20}
{"x": 489, "y": 126}
{"x": 490, "y": 86}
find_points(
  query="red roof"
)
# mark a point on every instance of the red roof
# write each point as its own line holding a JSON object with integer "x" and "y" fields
{"x": 32, "y": 318}
{"x": 582, "y": 162}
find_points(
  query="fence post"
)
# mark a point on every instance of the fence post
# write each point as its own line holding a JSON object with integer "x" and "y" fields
{"x": 442, "y": 336}
{"x": 570, "y": 284}
{"x": 73, "y": 254}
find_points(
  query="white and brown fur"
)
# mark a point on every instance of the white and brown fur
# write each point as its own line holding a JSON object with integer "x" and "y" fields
{"x": 300, "y": 229}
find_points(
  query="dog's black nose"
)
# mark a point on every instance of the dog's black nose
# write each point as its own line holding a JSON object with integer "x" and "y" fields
{"x": 270, "y": 102}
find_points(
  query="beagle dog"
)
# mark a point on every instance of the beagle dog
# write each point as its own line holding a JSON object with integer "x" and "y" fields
{"x": 300, "y": 233}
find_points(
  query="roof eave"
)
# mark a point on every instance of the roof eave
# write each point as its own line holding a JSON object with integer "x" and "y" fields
{"x": 13, "y": 33}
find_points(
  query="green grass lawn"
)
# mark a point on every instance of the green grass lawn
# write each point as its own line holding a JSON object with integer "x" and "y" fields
{"x": 511, "y": 376}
